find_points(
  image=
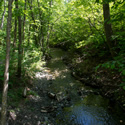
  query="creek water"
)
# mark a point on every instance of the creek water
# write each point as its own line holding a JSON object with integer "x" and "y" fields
{"x": 88, "y": 109}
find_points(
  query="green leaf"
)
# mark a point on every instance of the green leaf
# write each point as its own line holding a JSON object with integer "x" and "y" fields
{"x": 120, "y": 70}
{"x": 124, "y": 87}
{"x": 2, "y": 78}
{"x": 96, "y": 68}
{"x": 124, "y": 80}
{"x": 123, "y": 72}
{"x": 113, "y": 66}
{"x": 10, "y": 83}
{"x": 97, "y": 1}
{"x": 122, "y": 84}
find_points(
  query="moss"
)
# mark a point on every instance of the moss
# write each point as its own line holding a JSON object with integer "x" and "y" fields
{"x": 32, "y": 93}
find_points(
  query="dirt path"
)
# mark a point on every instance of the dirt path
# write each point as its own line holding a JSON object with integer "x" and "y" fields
{"x": 48, "y": 97}
{"x": 30, "y": 112}
{"x": 43, "y": 104}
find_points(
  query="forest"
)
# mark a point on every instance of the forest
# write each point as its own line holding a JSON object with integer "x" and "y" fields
{"x": 87, "y": 37}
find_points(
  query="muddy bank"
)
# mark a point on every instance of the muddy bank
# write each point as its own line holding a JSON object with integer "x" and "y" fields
{"x": 107, "y": 81}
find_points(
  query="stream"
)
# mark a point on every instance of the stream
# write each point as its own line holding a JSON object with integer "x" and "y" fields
{"x": 57, "y": 98}
{"x": 81, "y": 105}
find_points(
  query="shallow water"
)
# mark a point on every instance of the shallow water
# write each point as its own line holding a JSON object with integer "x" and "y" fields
{"x": 88, "y": 109}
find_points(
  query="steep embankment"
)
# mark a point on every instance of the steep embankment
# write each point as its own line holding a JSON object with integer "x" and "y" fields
{"x": 108, "y": 81}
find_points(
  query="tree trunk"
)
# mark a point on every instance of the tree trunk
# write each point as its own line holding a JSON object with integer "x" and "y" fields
{"x": 29, "y": 35}
{"x": 2, "y": 21}
{"x": 15, "y": 35}
{"x": 107, "y": 27}
{"x": 24, "y": 21}
{"x": 33, "y": 18}
{"x": 19, "y": 44}
{"x": 15, "y": 29}
{"x": 6, "y": 72}
{"x": 48, "y": 32}
{"x": 41, "y": 34}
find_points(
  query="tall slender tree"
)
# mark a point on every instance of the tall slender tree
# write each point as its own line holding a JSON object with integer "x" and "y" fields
{"x": 41, "y": 34}
{"x": 24, "y": 21}
{"x": 3, "y": 15}
{"x": 107, "y": 26}
{"x": 6, "y": 72}
{"x": 30, "y": 2}
{"x": 15, "y": 28}
{"x": 20, "y": 42}
{"x": 49, "y": 28}
{"x": 15, "y": 34}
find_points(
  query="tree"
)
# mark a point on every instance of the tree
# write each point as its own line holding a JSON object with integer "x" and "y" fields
{"x": 107, "y": 26}
{"x": 20, "y": 41}
{"x": 6, "y": 72}
{"x": 15, "y": 27}
{"x": 33, "y": 19}
{"x": 3, "y": 15}
{"x": 49, "y": 27}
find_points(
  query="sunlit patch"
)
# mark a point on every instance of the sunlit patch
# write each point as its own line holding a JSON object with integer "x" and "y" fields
{"x": 33, "y": 97}
{"x": 57, "y": 73}
{"x": 78, "y": 60}
{"x": 60, "y": 73}
{"x": 63, "y": 76}
{"x": 65, "y": 70}
{"x": 40, "y": 75}
{"x": 13, "y": 115}
{"x": 47, "y": 70}
{"x": 48, "y": 77}
{"x": 55, "y": 59}
{"x": 72, "y": 84}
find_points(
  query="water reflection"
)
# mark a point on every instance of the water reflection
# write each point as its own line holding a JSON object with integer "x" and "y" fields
{"x": 88, "y": 115}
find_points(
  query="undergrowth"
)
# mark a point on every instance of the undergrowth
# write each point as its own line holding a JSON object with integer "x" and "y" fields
{"x": 30, "y": 65}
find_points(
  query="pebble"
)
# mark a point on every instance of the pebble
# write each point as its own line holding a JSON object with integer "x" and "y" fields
{"x": 51, "y": 95}
{"x": 121, "y": 121}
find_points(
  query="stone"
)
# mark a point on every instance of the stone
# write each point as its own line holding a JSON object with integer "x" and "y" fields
{"x": 51, "y": 95}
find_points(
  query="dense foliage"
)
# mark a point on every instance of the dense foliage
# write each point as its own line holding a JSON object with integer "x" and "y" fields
{"x": 80, "y": 27}
{"x": 92, "y": 29}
